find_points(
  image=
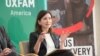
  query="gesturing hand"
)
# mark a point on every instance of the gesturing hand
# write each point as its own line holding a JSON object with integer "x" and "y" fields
{"x": 63, "y": 37}
{"x": 41, "y": 37}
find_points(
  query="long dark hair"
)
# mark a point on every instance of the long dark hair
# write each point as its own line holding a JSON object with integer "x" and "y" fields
{"x": 39, "y": 17}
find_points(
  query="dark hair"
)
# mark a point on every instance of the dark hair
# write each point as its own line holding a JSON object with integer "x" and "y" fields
{"x": 61, "y": 52}
{"x": 39, "y": 16}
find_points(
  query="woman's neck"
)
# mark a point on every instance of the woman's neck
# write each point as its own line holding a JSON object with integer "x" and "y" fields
{"x": 45, "y": 30}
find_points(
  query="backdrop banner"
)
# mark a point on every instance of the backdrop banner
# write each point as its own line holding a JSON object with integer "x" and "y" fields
{"x": 75, "y": 17}
{"x": 18, "y": 17}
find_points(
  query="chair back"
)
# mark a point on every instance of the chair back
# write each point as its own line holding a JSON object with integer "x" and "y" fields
{"x": 24, "y": 47}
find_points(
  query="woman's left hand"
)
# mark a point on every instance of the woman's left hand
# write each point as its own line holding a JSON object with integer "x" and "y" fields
{"x": 63, "y": 37}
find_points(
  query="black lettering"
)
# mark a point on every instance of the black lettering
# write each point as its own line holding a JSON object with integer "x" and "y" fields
{"x": 88, "y": 50}
{"x": 75, "y": 50}
{"x": 84, "y": 51}
{"x": 79, "y": 51}
{"x": 65, "y": 44}
{"x": 69, "y": 43}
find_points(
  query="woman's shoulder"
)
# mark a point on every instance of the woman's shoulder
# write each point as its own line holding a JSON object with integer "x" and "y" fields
{"x": 34, "y": 33}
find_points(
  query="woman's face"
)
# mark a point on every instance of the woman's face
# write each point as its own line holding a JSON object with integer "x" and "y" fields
{"x": 46, "y": 21}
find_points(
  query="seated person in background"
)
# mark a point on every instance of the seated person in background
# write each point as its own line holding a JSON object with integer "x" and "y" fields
{"x": 6, "y": 48}
{"x": 43, "y": 40}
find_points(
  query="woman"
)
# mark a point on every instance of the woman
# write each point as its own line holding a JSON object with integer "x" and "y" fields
{"x": 43, "y": 40}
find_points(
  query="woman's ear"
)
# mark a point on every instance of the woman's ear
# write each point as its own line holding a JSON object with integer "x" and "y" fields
{"x": 39, "y": 22}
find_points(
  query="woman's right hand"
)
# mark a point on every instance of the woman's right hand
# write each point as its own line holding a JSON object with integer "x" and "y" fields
{"x": 41, "y": 37}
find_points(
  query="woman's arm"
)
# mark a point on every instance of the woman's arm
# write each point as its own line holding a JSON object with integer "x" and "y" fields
{"x": 32, "y": 42}
{"x": 35, "y": 43}
{"x": 38, "y": 43}
{"x": 1, "y": 54}
{"x": 37, "y": 46}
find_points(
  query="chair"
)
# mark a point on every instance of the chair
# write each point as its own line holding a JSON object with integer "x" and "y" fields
{"x": 24, "y": 45}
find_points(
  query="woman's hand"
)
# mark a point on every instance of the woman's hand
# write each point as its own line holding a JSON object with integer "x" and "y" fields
{"x": 63, "y": 37}
{"x": 41, "y": 37}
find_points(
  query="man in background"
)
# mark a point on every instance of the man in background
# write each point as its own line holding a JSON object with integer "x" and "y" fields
{"x": 6, "y": 48}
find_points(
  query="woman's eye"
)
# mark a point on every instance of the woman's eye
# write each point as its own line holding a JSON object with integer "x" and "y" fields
{"x": 46, "y": 18}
